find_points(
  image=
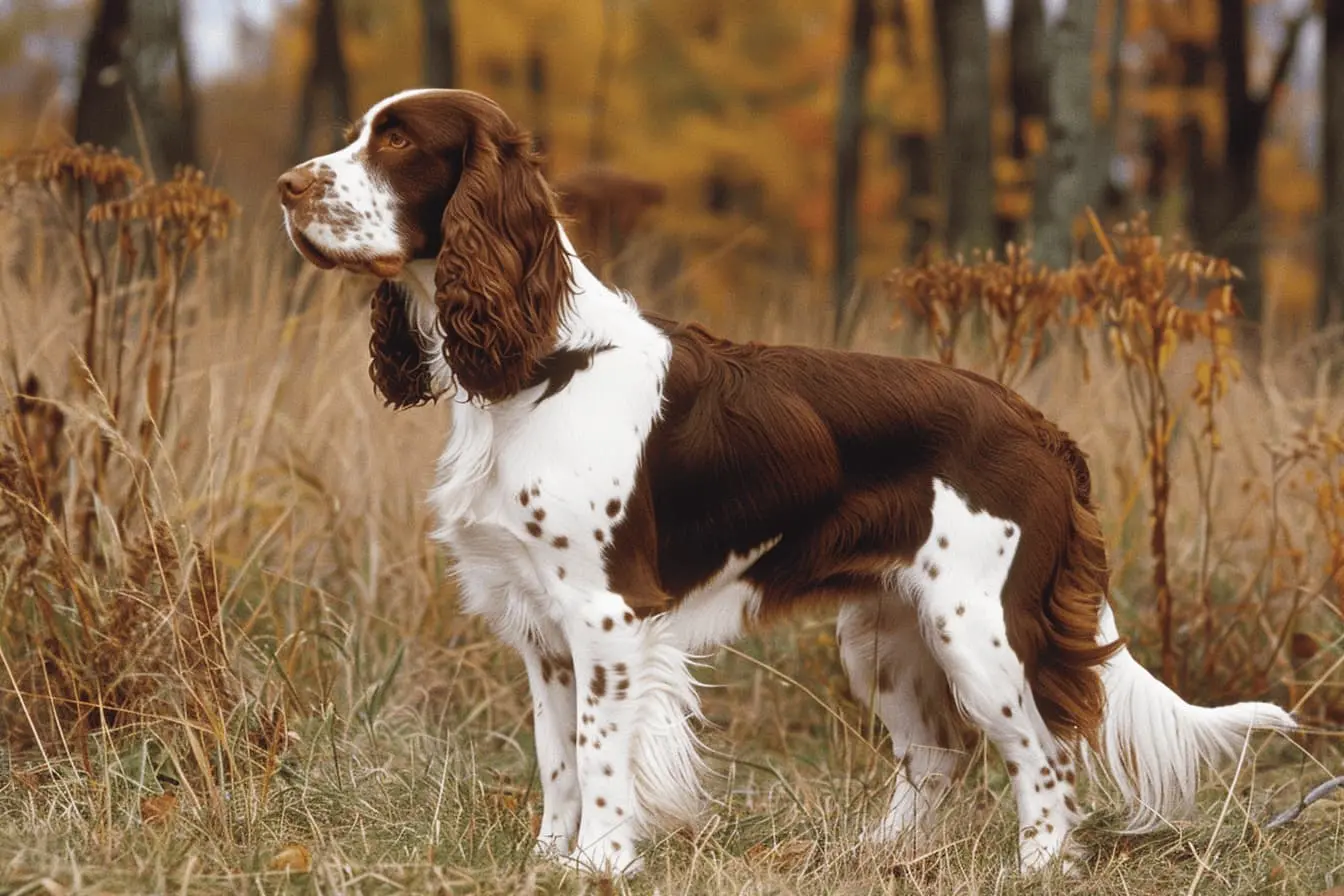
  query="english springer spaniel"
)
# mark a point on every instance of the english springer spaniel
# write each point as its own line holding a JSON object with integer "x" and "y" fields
{"x": 621, "y": 491}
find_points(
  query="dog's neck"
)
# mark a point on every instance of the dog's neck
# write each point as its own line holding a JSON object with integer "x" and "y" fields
{"x": 595, "y": 315}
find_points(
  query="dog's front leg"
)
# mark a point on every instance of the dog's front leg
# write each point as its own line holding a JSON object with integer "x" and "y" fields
{"x": 607, "y": 644}
{"x": 551, "y": 680}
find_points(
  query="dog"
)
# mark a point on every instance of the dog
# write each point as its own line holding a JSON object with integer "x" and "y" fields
{"x": 620, "y": 491}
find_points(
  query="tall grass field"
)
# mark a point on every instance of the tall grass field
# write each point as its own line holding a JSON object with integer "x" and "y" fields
{"x": 232, "y": 662}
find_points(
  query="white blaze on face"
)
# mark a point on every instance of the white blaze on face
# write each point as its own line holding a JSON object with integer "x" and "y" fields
{"x": 349, "y": 213}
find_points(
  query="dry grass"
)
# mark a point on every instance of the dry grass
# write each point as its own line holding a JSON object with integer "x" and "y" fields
{"x": 231, "y": 662}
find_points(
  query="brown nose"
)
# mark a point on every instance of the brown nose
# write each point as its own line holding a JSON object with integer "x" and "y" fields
{"x": 294, "y": 183}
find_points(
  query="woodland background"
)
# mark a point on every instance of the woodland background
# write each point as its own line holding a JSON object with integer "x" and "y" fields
{"x": 770, "y": 141}
{"x": 231, "y": 660}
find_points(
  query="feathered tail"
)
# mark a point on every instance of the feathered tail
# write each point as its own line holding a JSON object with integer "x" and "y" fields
{"x": 1154, "y": 743}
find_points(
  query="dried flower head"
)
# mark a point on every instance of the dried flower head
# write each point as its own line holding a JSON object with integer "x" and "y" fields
{"x": 186, "y": 205}
{"x": 66, "y": 166}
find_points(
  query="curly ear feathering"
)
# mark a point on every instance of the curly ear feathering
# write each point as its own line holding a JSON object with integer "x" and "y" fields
{"x": 397, "y": 366}
{"x": 503, "y": 275}
{"x": 622, "y": 493}
{"x": 440, "y": 181}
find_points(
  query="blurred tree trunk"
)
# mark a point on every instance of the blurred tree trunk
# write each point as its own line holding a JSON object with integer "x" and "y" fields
{"x": 134, "y": 47}
{"x": 1074, "y": 149}
{"x": 1230, "y": 224}
{"x": 1028, "y": 88}
{"x": 438, "y": 60}
{"x": 849, "y": 122}
{"x": 606, "y": 66}
{"x": 1330, "y": 306}
{"x": 328, "y": 81}
{"x": 180, "y": 131}
{"x": 963, "y": 44}
{"x": 1029, "y": 69}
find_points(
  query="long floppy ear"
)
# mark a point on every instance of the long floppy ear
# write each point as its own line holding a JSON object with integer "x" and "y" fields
{"x": 398, "y": 367}
{"x": 503, "y": 276}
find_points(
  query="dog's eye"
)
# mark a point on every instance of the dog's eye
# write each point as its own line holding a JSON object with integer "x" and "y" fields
{"x": 397, "y": 140}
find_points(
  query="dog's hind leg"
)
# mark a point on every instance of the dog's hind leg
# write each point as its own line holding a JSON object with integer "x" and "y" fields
{"x": 892, "y": 671}
{"x": 957, "y": 581}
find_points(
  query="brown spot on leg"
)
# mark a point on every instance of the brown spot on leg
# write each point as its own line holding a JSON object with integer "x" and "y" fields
{"x": 560, "y": 541}
{"x": 613, "y": 507}
{"x": 942, "y": 541}
{"x": 1007, "y": 712}
{"x": 599, "y": 535}
{"x": 538, "y": 514}
{"x": 533, "y": 529}
{"x": 1012, "y": 768}
{"x": 522, "y": 497}
{"x": 608, "y": 624}
{"x": 599, "y": 682}
{"x": 600, "y": 802}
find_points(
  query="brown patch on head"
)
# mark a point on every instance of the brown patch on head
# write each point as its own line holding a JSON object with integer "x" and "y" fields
{"x": 608, "y": 624}
{"x": 470, "y": 188}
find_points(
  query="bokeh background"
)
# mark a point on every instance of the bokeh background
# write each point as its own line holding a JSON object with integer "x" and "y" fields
{"x": 752, "y": 146}
{"x": 231, "y": 659}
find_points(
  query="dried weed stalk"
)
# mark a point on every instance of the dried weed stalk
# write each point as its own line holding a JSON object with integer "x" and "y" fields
{"x": 1148, "y": 299}
{"x": 110, "y": 618}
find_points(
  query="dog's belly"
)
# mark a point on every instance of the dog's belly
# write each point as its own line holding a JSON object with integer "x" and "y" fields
{"x": 722, "y": 609}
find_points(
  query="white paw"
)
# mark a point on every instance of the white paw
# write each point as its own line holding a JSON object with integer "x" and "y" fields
{"x": 551, "y": 846}
{"x": 1037, "y": 853}
{"x": 611, "y": 858}
{"x": 888, "y": 830}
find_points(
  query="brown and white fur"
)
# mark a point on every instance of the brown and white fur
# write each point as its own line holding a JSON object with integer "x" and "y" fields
{"x": 621, "y": 492}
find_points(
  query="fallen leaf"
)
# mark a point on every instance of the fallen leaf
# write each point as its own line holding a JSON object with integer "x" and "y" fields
{"x": 787, "y": 856}
{"x": 158, "y": 809}
{"x": 292, "y": 857}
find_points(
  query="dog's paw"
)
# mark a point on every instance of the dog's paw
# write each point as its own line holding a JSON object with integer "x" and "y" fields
{"x": 609, "y": 858}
